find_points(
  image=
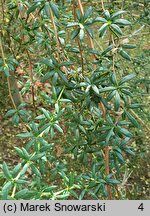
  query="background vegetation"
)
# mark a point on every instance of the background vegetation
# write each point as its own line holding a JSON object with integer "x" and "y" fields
{"x": 74, "y": 99}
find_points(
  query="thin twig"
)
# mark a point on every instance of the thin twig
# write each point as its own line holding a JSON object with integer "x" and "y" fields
{"x": 8, "y": 80}
{"x": 78, "y": 41}
{"x": 30, "y": 64}
{"x": 107, "y": 171}
{"x": 89, "y": 38}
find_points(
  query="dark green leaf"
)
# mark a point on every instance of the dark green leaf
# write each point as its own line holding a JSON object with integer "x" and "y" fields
{"x": 74, "y": 33}
{"x": 37, "y": 156}
{"x": 95, "y": 89}
{"x": 24, "y": 169}
{"x": 109, "y": 135}
{"x": 122, "y": 22}
{"x": 10, "y": 113}
{"x": 107, "y": 14}
{"x": 129, "y": 151}
{"x": 111, "y": 88}
{"x": 114, "y": 78}
{"x": 100, "y": 19}
{"x": 132, "y": 119}
{"x": 108, "y": 49}
{"x": 55, "y": 9}
{"x": 20, "y": 194}
{"x": 47, "y": 76}
{"x": 116, "y": 29}
{"x": 35, "y": 170}
{"x": 103, "y": 29}
{"x": 114, "y": 15}
{"x": 46, "y": 113}
{"x": 72, "y": 24}
{"x": 7, "y": 186}
{"x": 19, "y": 151}
{"x": 6, "y": 71}
{"x": 25, "y": 135}
{"x": 15, "y": 119}
{"x": 81, "y": 34}
{"x": 125, "y": 132}
{"x": 6, "y": 171}
{"x": 124, "y": 55}
{"x": 126, "y": 78}
{"x": 25, "y": 153}
{"x": 89, "y": 31}
{"x": 117, "y": 101}
{"x": 33, "y": 7}
{"x": 58, "y": 128}
{"x": 128, "y": 46}
{"x": 63, "y": 77}
{"x": 113, "y": 181}
{"x": 88, "y": 12}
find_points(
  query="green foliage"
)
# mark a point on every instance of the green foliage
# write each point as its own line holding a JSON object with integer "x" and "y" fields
{"x": 86, "y": 109}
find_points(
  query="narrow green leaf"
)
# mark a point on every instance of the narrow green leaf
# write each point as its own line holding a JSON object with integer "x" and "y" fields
{"x": 108, "y": 49}
{"x": 127, "y": 92}
{"x": 16, "y": 169}
{"x": 24, "y": 169}
{"x": 6, "y": 171}
{"x": 47, "y": 76}
{"x": 88, "y": 12}
{"x": 129, "y": 151}
{"x": 124, "y": 54}
{"x": 15, "y": 119}
{"x": 117, "y": 101}
{"x": 114, "y": 79}
{"x": 119, "y": 156}
{"x": 116, "y": 29}
{"x": 20, "y": 194}
{"x": 113, "y": 181}
{"x": 81, "y": 34}
{"x": 128, "y": 46}
{"x": 37, "y": 156}
{"x": 125, "y": 141}
{"x": 6, "y": 71}
{"x": 82, "y": 194}
{"x": 111, "y": 88}
{"x": 132, "y": 119}
{"x": 103, "y": 29}
{"x": 125, "y": 132}
{"x": 107, "y": 14}
{"x": 10, "y": 113}
{"x": 109, "y": 135}
{"x": 63, "y": 77}
{"x": 122, "y": 22}
{"x": 89, "y": 31}
{"x": 95, "y": 89}
{"x": 100, "y": 19}
{"x": 111, "y": 95}
{"x": 25, "y": 135}
{"x": 82, "y": 129}
{"x": 19, "y": 152}
{"x": 25, "y": 153}
{"x": 126, "y": 78}
{"x": 55, "y": 9}
{"x": 33, "y": 7}
{"x": 74, "y": 33}
{"x": 72, "y": 24}
{"x": 35, "y": 170}
{"x": 46, "y": 113}
{"x": 7, "y": 186}
{"x": 57, "y": 127}
{"x": 114, "y": 15}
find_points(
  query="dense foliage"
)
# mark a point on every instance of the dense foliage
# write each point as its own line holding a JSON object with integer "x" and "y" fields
{"x": 71, "y": 79}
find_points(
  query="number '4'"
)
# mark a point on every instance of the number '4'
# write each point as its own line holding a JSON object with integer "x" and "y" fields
{"x": 141, "y": 207}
